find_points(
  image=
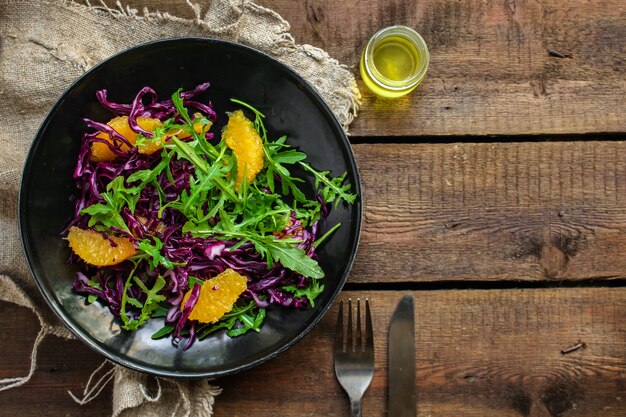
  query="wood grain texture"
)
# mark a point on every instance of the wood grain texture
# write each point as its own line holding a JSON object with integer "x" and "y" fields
{"x": 492, "y": 211}
{"x": 490, "y": 71}
{"x": 61, "y": 366}
{"x": 493, "y": 353}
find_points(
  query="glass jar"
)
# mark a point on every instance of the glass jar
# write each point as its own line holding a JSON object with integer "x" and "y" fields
{"x": 394, "y": 61}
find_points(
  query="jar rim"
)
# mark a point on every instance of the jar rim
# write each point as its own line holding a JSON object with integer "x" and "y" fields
{"x": 412, "y": 36}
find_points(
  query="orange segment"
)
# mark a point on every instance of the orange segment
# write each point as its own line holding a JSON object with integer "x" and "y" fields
{"x": 217, "y": 296}
{"x": 97, "y": 250}
{"x": 101, "y": 152}
{"x": 241, "y": 136}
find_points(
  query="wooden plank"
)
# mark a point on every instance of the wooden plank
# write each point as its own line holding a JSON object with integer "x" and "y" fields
{"x": 490, "y": 71}
{"x": 501, "y": 211}
{"x": 490, "y": 353}
{"x": 61, "y": 366}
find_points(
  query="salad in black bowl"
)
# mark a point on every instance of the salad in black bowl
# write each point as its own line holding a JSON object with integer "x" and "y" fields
{"x": 172, "y": 222}
{"x": 192, "y": 218}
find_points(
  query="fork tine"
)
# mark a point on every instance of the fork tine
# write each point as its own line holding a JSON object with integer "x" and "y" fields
{"x": 350, "y": 345}
{"x": 369, "y": 332}
{"x": 339, "y": 331}
{"x": 359, "y": 335}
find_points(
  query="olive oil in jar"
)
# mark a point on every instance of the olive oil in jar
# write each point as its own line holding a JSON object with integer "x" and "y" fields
{"x": 394, "y": 61}
{"x": 396, "y": 58}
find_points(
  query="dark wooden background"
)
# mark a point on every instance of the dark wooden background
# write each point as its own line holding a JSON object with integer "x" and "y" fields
{"x": 495, "y": 194}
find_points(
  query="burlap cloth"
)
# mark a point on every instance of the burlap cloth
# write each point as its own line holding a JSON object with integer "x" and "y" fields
{"x": 44, "y": 46}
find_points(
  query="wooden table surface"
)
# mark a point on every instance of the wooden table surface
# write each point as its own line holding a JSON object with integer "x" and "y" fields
{"x": 495, "y": 194}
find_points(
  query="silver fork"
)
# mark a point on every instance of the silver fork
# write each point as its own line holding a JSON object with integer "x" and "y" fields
{"x": 354, "y": 359}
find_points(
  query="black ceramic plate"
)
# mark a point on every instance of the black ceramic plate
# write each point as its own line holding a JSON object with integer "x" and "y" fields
{"x": 291, "y": 107}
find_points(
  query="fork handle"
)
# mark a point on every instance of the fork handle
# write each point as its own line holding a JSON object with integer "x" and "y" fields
{"x": 355, "y": 407}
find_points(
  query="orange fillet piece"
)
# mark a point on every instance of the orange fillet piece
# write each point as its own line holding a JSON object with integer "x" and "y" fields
{"x": 101, "y": 151}
{"x": 95, "y": 249}
{"x": 217, "y": 296}
{"x": 241, "y": 136}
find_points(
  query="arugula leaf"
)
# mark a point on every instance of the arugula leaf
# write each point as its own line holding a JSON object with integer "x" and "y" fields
{"x": 288, "y": 183}
{"x": 198, "y": 190}
{"x": 248, "y": 323}
{"x": 293, "y": 258}
{"x": 160, "y": 311}
{"x": 192, "y": 202}
{"x": 125, "y": 319}
{"x": 333, "y": 189}
{"x": 325, "y": 236}
{"x": 147, "y": 176}
{"x": 152, "y": 253}
{"x": 187, "y": 151}
{"x": 134, "y": 302}
{"x": 153, "y": 298}
{"x": 118, "y": 196}
{"x": 290, "y": 156}
{"x": 163, "y": 332}
{"x": 200, "y": 140}
{"x": 115, "y": 198}
{"x": 238, "y": 321}
{"x": 311, "y": 292}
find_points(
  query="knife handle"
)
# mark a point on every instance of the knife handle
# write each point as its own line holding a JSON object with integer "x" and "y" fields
{"x": 355, "y": 407}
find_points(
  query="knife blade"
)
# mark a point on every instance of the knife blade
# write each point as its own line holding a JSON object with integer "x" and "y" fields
{"x": 402, "y": 389}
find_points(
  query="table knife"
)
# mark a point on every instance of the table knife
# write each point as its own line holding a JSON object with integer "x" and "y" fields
{"x": 402, "y": 389}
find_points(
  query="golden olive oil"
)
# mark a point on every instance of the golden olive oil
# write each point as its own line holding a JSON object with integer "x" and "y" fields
{"x": 396, "y": 58}
{"x": 394, "y": 61}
